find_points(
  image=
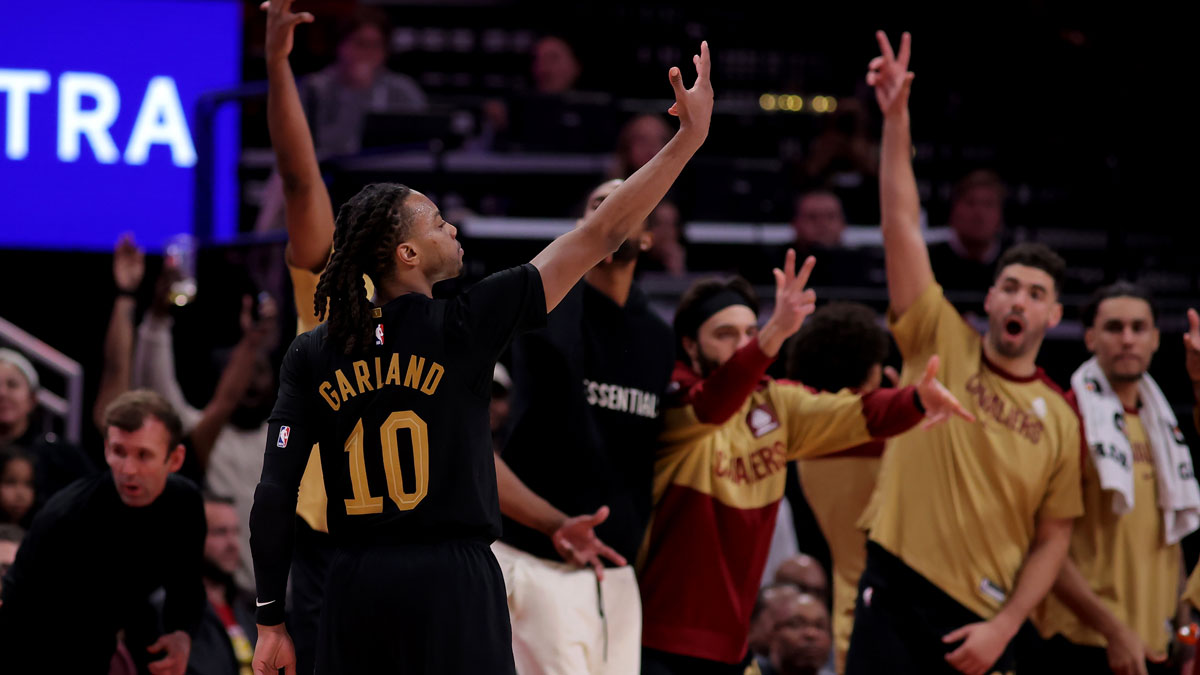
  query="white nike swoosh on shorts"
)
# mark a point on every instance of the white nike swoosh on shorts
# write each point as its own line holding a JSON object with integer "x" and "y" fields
{"x": 262, "y": 604}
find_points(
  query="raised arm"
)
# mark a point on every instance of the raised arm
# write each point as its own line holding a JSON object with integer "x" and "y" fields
{"x": 257, "y": 336}
{"x": 129, "y": 267}
{"x": 564, "y": 262}
{"x": 308, "y": 211}
{"x": 908, "y": 270}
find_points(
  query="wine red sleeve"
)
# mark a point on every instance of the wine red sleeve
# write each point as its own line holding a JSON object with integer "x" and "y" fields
{"x": 717, "y": 397}
{"x": 889, "y": 412}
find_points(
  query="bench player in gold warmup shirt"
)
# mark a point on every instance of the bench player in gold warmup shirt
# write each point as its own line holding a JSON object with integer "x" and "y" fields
{"x": 970, "y": 523}
{"x": 841, "y": 346}
{"x": 1116, "y": 599}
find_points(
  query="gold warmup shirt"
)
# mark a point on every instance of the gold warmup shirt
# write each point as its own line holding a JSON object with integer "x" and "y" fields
{"x": 960, "y": 504}
{"x": 1124, "y": 558}
{"x": 838, "y": 489}
{"x": 311, "y": 503}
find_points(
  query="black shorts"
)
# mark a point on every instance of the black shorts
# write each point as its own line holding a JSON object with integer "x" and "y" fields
{"x": 437, "y": 608}
{"x": 899, "y": 621}
{"x": 657, "y": 662}
{"x": 311, "y": 557}
{"x": 1036, "y": 656}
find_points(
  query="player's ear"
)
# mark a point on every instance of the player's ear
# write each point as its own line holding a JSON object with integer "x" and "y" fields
{"x": 175, "y": 458}
{"x": 1056, "y": 313}
{"x": 692, "y": 348}
{"x": 406, "y": 254}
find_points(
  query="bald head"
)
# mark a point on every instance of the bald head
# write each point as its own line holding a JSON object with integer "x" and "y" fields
{"x": 800, "y": 637}
{"x": 762, "y": 620}
{"x": 805, "y": 573}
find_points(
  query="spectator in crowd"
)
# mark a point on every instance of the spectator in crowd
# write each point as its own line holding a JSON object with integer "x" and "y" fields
{"x": 800, "y": 638}
{"x": 16, "y": 486}
{"x": 555, "y": 68}
{"x": 968, "y": 260}
{"x": 719, "y": 477}
{"x": 842, "y": 153}
{"x": 137, "y": 528}
{"x": 227, "y": 435}
{"x": 841, "y": 346}
{"x": 224, "y": 641}
{"x": 818, "y": 224}
{"x": 337, "y": 99}
{"x": 762, "y": 624}
{"x": 805, "y": 573}
{"x": 56, "y": 463}
{"x": 10, "y": 540}
{"x": 591, "y": 380}
{"x": 638, "y": 142}
{"x": 667, "y": 253}
{"x": 1116, "y": 599}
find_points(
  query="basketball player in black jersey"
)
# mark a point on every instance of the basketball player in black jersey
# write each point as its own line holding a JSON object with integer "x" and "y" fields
{"x": 397, "y": 396}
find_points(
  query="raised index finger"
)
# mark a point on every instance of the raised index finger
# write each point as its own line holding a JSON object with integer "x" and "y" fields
{"x": 885, "y": 47}
{"x": 704, "y": 65}
{"x": 905, "y": 49}
{"x": 805, "y": 272}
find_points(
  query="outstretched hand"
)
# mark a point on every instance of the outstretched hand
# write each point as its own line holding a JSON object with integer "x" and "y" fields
{"x": 129, "y": 264}
{"x": 281, "y": 23}
{"x": 793, "y": 303}
{"x": 577, "y": 543}
{"x": 940, "y": 405}
{"x": 694, "y": 106}
{"x": 889, "y": 74}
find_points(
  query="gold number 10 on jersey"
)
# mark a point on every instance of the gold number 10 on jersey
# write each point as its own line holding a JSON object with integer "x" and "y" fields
{"x": 363, "y": 502}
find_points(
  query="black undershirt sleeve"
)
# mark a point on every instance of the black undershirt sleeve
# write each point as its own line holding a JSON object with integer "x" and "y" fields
{"x": 272, "y": 518}
{"x": 183, "y": 608}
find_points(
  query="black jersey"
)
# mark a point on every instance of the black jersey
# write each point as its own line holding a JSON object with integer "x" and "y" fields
{"x": 403, "y": 429}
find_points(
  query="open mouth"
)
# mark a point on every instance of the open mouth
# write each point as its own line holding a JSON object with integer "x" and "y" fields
{"x": 1014, "y": 326}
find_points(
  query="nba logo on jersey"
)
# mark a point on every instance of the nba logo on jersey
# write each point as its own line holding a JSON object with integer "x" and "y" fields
{"x": 284, "y": 432}
{"x": 379, "y": 335}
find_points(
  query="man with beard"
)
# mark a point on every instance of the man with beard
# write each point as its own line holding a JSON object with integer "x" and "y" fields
{"x": 969, "y": 525}
{"x": 1116, "y": 598}
{"x": 227, "y": 435}
{"x": 719, "y": 475}
{"x": 585, "y": 416}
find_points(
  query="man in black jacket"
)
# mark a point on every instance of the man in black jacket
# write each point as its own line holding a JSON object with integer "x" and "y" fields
{"x": 99, "y": 548}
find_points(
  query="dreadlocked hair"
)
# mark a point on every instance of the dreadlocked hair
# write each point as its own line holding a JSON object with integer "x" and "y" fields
{"x": 369, "y": 228}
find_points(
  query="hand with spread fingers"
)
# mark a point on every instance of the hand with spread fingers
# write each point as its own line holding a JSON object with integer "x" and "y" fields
{"x": 888, "y": 73}
{"x": 281, "y": 24}
{"x": 940, "y": 405}
{"x": 793, "y": 303}
{"x": 576, "y": 541}
{"x": 694, "y": 106}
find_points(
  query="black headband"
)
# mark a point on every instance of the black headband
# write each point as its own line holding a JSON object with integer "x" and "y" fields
{"x": 688, "y": 322}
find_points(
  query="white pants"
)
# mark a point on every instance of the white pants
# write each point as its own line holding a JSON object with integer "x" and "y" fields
{"x": 564, "y": 623}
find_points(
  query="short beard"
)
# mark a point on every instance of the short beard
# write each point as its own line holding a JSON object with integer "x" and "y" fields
{"x": 626, "y": 253}
{"x": 1121, "y": 377}
{"x": 707, "y": 365}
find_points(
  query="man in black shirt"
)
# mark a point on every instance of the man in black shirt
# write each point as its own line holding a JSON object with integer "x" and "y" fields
{"x": 396, "y": 395}
{"x": 585, "y": 423}
{"x": 100, "y": 547}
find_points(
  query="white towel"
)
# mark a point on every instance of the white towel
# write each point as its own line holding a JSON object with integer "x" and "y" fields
{"x": 1110, "y": 450}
